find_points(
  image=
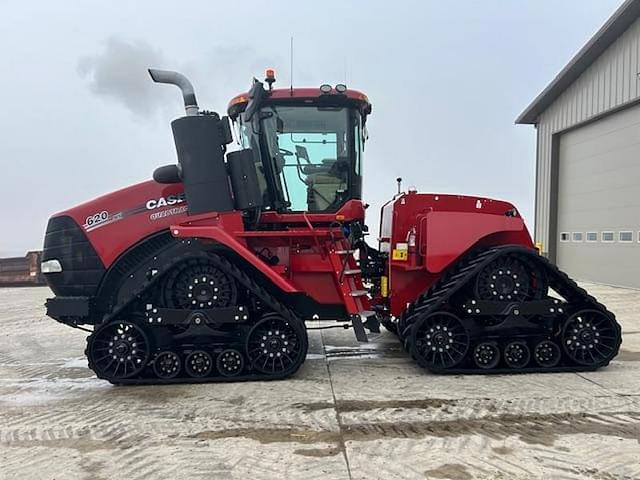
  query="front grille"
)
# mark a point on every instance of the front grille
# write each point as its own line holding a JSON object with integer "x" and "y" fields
{"x": 82, "y": 269}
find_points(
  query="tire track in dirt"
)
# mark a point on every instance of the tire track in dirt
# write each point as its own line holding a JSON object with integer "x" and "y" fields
{"x": 543, "y": 429}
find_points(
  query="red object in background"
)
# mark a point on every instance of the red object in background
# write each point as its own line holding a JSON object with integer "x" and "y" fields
{"x": 21, "y": 271}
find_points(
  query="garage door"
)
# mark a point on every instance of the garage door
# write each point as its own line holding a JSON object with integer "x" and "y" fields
{"x": 599, "y": 200}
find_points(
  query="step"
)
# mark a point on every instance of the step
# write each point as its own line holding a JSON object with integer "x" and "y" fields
{"x": 344, "y": 252}
{"x": 352, "y": 271}
{"x": 358, "y": 293}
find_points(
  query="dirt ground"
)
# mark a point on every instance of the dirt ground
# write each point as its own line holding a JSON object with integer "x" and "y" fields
{"x": 360, "y": 411}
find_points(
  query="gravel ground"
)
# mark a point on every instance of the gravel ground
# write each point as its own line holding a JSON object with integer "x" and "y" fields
{"x": 360, "y": 411}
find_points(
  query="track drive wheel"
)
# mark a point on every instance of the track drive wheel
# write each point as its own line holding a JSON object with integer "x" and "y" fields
{"x": 510, "y": 278}
{"x": 590, "y": 338}
{"x": 439, "y": 341}
{"x": 197, "y": 284}
{"x": 276, "y": 346}
{"x": 118, "y": 350}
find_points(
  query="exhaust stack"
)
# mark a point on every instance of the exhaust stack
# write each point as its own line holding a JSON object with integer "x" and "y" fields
{"x": 180, "y": 81}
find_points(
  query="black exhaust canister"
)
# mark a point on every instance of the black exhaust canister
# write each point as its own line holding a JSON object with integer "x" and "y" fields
{"x": 200, "y": 149}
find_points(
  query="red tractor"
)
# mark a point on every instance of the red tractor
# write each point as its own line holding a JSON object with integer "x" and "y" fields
{"x": 209, "y": 272}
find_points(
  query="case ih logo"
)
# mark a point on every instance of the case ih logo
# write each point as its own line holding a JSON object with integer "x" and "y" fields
{"x": 165, "y": 201}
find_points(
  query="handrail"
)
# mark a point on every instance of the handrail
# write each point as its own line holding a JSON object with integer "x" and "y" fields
{"x": 313, "y": 233}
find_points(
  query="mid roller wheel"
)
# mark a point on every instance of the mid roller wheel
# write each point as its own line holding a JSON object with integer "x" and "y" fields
{"x": 230, "y": 362}
{"x": 275, "y": 346}
{"x": 167, "y": 365}
{"x": 547, "y": 354}
{"x": 590, "y": 338}
{"x": 517, "y": 354}
{"x": 198, "y": 364}
{"x": 486, "y": 355}
{"x": 117, "y": 351}
{"x": 439, "y": 341}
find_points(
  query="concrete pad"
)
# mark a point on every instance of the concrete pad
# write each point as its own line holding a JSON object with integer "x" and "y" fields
{"x": 362, "y": 411}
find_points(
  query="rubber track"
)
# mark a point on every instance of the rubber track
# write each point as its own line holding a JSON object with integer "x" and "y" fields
{"x": 243, "y": 279}
{"x": 437, "y": 297}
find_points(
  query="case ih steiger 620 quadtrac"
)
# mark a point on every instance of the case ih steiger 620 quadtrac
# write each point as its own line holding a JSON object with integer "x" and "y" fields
{"x": 210, "y": 271}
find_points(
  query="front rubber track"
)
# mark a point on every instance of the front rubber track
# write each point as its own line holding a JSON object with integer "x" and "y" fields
{"x": 268, "y": 301}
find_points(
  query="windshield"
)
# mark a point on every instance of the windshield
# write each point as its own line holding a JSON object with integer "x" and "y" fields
{"x": 314, "y": 154}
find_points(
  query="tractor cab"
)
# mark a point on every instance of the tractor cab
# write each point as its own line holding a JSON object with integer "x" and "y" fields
{"x": 306, "y": 144}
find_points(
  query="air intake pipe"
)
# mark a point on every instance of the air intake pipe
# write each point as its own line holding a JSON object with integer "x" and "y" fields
{"x": 180, "y": 81}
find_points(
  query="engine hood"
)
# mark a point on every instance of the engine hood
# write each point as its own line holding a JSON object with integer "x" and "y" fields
{"x": 115, "y": 221}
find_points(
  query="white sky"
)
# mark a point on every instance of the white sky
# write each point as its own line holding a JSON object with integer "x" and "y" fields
{"x": 80, "y": 117}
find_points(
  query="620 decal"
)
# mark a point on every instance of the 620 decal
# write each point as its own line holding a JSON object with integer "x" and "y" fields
{"x": 101, "y": 219}
{"x": 96, "y": 219}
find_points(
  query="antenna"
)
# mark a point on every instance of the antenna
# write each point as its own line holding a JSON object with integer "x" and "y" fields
{"x": 345, "y": 70}
{"x": 291, "y": 64}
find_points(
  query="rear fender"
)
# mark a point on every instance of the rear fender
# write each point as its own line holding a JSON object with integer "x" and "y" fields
{"x": 446, "y": 236}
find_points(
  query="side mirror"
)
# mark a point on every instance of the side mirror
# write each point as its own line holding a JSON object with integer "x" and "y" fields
{"x": 257, "y": 94}
{"x": 167, "y": 174}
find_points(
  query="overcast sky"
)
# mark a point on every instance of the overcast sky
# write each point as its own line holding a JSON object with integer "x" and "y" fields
{"x": 80, "y": 116}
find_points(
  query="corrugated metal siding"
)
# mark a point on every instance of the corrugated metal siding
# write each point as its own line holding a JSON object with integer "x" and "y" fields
{"x": 609, "y": 83}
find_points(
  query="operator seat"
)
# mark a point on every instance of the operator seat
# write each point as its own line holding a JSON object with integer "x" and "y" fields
{"x": 321, "y": 184}
{"x": 325, "y": 185}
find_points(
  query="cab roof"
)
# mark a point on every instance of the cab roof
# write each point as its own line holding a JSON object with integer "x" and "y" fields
{"x": 312, "y": 96}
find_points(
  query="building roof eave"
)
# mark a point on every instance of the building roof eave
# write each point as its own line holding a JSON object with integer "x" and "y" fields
{"x": 615, "y": 26}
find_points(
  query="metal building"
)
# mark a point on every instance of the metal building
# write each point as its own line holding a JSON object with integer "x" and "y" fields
{"x": 588, "y": 157}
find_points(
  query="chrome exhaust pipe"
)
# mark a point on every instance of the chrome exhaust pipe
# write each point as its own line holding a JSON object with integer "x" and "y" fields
{"x": 180, "y": 81}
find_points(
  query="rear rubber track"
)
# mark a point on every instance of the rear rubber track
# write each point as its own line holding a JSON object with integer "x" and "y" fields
{"x": 444, "y": 297}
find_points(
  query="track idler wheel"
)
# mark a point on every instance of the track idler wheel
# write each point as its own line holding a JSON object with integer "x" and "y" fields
{"x": 486, "y": 355}
{"x": 230, "y": 362}
{"x": 198, "y": 364}
{"x": 517, "y": 354}
{"x": 276, "y": 346}
{"x": 547, "y": 354}
{"x": 439, "y": 341}
{"x": 590, "y": 338}
{"x": 118, "y": 350}
{"x": 167, "y": 365}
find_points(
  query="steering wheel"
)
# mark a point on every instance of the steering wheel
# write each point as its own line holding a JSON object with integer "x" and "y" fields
{"x": 284, "y": 152}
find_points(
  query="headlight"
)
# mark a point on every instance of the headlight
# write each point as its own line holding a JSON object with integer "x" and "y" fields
{"x": 341, "y": 88}
{"x": 51, "y": 266}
